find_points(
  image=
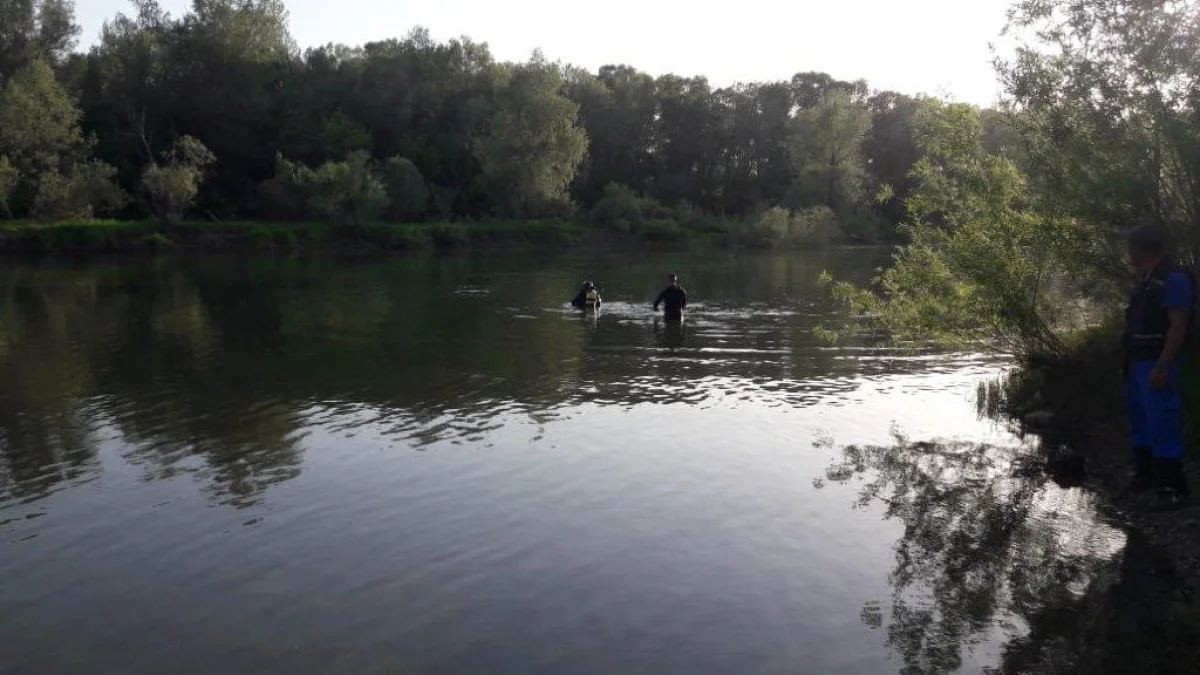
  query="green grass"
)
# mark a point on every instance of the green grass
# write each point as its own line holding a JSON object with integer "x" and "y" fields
{"x": 98, "y": 236}
{"x": 113, "y": 235}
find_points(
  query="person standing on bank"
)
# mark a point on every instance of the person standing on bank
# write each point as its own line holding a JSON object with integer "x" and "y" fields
{"x": 1156, "y": 325}
{"x": 673, "y": 299}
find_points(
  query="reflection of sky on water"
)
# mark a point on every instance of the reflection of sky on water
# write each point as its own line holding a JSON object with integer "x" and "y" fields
{"x": 438, "y": 454}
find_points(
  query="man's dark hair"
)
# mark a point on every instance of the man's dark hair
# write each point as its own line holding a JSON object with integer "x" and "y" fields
{"x": 1147, "y": 239}
{"x": 673, "y": 277}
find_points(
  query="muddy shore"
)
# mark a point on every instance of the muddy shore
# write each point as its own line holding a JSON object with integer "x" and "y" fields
{"x": 1147, "y": 620}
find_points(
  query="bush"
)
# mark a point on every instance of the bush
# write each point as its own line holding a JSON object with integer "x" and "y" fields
{"x": 261, "y": 236}
{"x": 976, "y": 269}
{"x": 157, "y": 241}
{"x": 619, "y": 209}
{"x": 406, "y": 190}
{"x": 449, "y": 235}
{"x": 663, "y": 230}
{"x": 778, "y": 227}
{"x": 349, "y": 191}
{"x": 396, "y": 236}
{"x": 697, "y": 220}
{"x": 90, "y": 188}
{"x": 444, "y": 199}
{"x": 172, "y": 185}
{"x": 815, "y": 226}
{"x": 551, "y": 233}
{"x": 867, "y": 224}
{"x": 687, "y": 214}
{"x": 96, "y": 184}
{"x": 289, "y": 194}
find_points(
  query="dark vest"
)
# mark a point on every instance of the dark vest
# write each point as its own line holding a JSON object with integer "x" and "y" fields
{"x": 1146, "y": 320}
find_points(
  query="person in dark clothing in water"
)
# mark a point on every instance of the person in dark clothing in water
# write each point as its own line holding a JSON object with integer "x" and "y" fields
{"x": 1156, "y": 325}
{"x": 587, "y": 297}
{"x": 673, "y": 299}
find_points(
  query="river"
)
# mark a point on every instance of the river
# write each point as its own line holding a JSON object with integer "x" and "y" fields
{"x": 433, "y": 465}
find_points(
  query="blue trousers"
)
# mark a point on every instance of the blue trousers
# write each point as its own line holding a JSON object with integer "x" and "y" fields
{"x": 1153, "y": 414}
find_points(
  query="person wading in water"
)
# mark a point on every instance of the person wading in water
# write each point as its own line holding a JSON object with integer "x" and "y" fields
{"x": 673, "y": 299}
{"x": 1156, "y": 324}
{"x": 587, "y": 297}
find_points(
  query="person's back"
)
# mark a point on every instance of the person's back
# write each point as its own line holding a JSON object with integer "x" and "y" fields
{"x": 673, "y": 299}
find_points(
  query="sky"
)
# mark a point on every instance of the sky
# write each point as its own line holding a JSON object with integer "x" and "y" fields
{"x": 937, "y": 47}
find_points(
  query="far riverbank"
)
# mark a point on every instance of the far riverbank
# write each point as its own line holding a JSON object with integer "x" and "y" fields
{"x": 115, "y": 236}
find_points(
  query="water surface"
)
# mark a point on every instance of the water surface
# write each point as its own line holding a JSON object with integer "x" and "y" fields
{"x": 309, "y": 465}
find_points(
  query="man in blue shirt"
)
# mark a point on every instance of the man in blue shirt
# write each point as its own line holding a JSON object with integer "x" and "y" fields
{"x": 1156, "y": 325}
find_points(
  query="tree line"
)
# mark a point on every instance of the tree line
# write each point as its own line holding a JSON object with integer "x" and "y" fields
{"x": 217, "y": 114}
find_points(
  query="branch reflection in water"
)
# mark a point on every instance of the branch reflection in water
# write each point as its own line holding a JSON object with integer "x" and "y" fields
{"x": 994, "y": 552}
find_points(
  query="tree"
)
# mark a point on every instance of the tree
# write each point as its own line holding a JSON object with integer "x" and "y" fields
{"x": 978, "y": 267}
{"x": 88, "y": 189}
{"x": 487, "y": 138}
{"x": 171, "y": 184}
{"x": 39, "y": 124}
{"x": 620, "y": 209}
{"x": 35, "y": 30}
{"x": 340, "y": 136}
{"x": 349, "y": 191}
{"x": 890, "y": 148}
{"x": 1104, "y": 96}
{"x": 45, "y": 167}
{"x": 617, "y": 108}
{"x": 241, "y": 31}
{"x": 827, "y": 151}
{"x": 126, "y": 93}
{"x": 289, "y": 194}
{"x": 810, "y": 88}
{"x": 534, "y": 146}
{"x": 8, "y": 182}
{"x": 406, "y": 190}
{"x": 431, "y": 103}
{"x": 687, "y": 144}
{"x": 778, "y": 227}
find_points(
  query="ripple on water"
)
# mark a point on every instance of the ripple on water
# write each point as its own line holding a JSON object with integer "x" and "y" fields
{"x": 593, "y": 494}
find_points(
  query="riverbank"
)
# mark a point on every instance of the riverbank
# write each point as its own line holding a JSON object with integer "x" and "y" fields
{"x": 110, "y": 236}
{"x": 115, "y": 236}
{"x": 1074, "y": 406}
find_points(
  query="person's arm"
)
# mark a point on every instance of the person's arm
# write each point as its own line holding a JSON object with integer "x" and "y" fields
{"x": 1175, "y": 336}
{"x": 1178, "y": 303}
{"x": 658, "y": 300}
{"x": 682, "y": 298}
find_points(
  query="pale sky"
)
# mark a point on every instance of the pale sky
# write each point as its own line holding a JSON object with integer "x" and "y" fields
{"x": 937, "y": 47}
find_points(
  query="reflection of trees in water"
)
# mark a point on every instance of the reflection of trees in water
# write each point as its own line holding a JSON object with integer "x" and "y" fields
{"x": 975, "y": 547}
{"x": 214, "y": 368}
{"x": 989, "y": 547}
{"x": 44, "y": 386}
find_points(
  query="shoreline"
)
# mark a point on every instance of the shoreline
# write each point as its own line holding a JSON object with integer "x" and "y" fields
{"x": 134, "y": 237}
{"x": 1073, "y": 407}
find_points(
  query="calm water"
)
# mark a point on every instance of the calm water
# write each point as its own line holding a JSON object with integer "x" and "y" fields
{"x": 434, "y": 466}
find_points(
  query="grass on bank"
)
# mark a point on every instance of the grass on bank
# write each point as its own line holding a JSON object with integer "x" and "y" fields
{"x": 774, "y": 228}
{"x": 115, "y": 235}
{"x": 1084, "y": 386}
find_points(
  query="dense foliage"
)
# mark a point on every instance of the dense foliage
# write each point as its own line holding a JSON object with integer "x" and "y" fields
{"x": 444, "y": 130}
{"x": 1015, "y": 229}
